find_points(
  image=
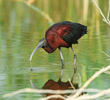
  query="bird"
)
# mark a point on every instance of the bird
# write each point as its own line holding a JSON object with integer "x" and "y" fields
{"x": 61, "y": 34}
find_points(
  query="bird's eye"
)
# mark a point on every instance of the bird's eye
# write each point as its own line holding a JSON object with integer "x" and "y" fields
{"x": 42, "y": 46}
{"x": 65, "y": 30}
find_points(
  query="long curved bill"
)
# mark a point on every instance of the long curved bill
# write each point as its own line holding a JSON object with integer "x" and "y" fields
{"x": 37, "y": 47}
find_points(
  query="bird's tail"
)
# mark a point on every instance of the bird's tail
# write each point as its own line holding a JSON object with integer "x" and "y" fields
{"x": 84, "y": 29}
{"x": 77, "y": 31}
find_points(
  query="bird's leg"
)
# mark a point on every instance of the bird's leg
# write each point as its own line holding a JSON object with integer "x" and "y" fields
{"x": 62, "y": 60}
{"x": 76, "y": 76}
{"x": 75, "y": 68}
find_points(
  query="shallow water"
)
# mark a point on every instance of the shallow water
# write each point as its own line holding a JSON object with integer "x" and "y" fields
{"x": 21, "y": 28}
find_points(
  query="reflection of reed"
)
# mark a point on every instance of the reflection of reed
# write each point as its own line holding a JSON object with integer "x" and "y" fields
{"x": 30, "y": 1}
{"x": 70, "y": 9}
{"x": 108, "y": 15}
{"x": 42, "y": 13}
{"x": 85, "y": 9}
{"x": 97, "y": 22}
{"x": 45, "y": 15}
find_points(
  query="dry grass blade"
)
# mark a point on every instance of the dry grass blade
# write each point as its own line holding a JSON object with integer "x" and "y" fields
{"x": 42, "y": 91}
{"x": 88, "y": 82}
{"x": 106, "y": 54}
{"x": 54, "y": 97}
{"x": 107, "y": 20}
{"x": 88, "y": 97}
{"x": 29, "y": 90}
{"x": 77, "y": 92}
{"x": 108, "y": 15}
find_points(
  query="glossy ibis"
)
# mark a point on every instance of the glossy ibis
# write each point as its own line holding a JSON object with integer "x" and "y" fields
{"x": 62, "y": 34}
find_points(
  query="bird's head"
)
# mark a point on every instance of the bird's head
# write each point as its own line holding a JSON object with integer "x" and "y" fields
{"x": 42, "y": 44}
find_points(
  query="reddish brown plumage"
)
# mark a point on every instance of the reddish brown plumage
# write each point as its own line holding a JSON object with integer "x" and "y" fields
{"x": 53, "y": 85}
{"x": 53, "y": 37}
{"x": 63, "y": 34}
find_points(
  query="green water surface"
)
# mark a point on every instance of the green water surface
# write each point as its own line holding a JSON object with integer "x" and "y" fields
{"x": 21, "y": 28}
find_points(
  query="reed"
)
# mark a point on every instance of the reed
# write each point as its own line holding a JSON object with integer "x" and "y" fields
{"x": 42, "y": 13}
{"x": 105, "y": 19}
{"x": 85, "y": 9}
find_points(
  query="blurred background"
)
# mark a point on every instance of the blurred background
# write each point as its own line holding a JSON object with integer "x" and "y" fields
{"x": 24, "y": 23}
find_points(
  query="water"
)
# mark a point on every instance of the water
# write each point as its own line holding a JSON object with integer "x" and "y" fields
{"x": 21, "y": 28}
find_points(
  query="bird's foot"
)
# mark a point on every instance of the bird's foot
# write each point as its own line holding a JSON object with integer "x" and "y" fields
{"x": 76, "y": 78}
{"x": 61, "y": 75}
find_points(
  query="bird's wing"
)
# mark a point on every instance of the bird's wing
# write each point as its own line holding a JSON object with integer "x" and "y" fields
{"x": 54, "y": 35}
{"x": 77, "y": 31}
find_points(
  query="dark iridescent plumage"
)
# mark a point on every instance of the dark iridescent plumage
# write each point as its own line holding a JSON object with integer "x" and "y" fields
{"x": 77, "y": 30}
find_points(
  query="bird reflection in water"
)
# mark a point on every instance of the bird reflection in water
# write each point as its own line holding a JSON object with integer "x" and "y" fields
{"x": 57, "y": 85}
